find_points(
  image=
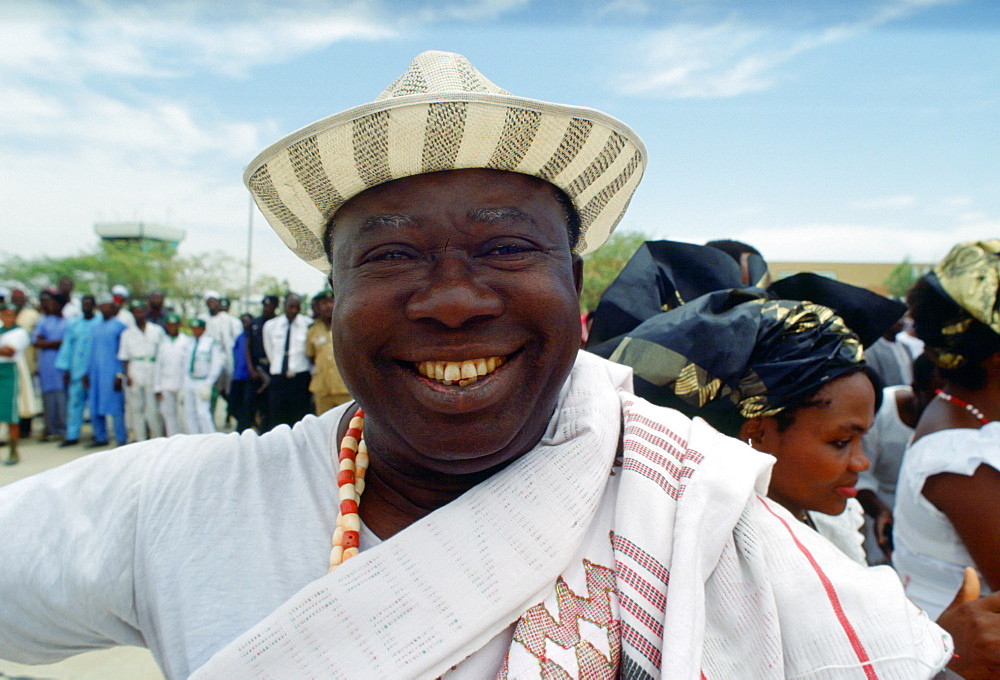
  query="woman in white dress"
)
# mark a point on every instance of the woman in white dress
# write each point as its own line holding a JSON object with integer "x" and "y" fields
{"x": 948, "y": 497}
{"x": 786, "y": 376}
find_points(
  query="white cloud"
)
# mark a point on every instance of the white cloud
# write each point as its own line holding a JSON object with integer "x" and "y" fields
{"x": 169, "y": 39}
{"x": 886, "y": 202}
{"x": 731, "y": 58}
{"x": 635, "y": 8}
{"x": 819, "y": 242}
{"x": 474, "y": 10}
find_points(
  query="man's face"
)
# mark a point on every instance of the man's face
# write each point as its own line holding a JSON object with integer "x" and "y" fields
{"x": 293, "y": 305}
{"x": 155, "y": 300}
{"x": 45, "y": 303}
{"x": 324, "y": 307}
{"x": 140, "y": 315}
{"x": 18, "y": 299}
{"x": 457, "y": 268}
{"x": 197, "y": 331}
{"x": 270, "y": 307}
{"x": 173, "y": 328}
{"x": 65, "y": 285}
{"x": 108, "y": 310}
{"x": 8, "y": 317}
{"x": 87, "y": 305}
{"x": 213, "y": 305}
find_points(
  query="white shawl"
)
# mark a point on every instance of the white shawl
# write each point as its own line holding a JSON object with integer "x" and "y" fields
{"x": 713, "y": 581}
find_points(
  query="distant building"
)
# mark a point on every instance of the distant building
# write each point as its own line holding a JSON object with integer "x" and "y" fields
{"x": 870, "y": 275}
{"x": 149, "y": 235}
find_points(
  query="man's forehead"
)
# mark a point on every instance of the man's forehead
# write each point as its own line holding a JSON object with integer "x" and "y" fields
{"x": 478, "y": 194}
{"x": 491, "y": 215}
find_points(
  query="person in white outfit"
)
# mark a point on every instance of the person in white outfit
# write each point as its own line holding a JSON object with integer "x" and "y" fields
{"x": 220, "y": 325}
{"x": 205, "y": 363}
{"x": 138, "y": 352}
{"x": 173, "y": 358}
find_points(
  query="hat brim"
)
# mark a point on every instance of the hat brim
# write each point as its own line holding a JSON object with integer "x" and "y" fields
{"x": 302, "y": 180}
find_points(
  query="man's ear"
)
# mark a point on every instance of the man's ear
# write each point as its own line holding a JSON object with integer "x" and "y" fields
{"x": 329, "y": 279}
{"x": 578, "y": 273}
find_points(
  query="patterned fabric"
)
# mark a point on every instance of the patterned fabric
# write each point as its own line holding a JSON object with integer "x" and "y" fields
{"x": 443, "y": 114}
{"x": 969, "y": 275}
{"x": 709, "y": 579}
{"x": 699, "y": 343}
{"x": 724, "y": 356}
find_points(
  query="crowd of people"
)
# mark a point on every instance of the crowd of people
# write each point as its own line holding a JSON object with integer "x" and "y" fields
{"x": 682, "y": 499}
{"x": 134, "y": 362}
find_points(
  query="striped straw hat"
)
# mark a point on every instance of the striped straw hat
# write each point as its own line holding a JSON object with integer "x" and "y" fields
{"x": 443, "y": 114}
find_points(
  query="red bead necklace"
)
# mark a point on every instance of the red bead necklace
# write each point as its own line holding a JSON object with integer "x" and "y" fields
{"x": 977, "y": 414}
{"x": 351, "y": 465}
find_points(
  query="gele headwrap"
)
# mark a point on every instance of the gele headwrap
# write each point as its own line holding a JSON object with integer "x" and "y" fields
{"x": 734, "y": 353}
{"x": 969, "y": 275}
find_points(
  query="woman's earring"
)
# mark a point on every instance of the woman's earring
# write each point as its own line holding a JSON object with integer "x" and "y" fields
{"x": 750, "y": 442}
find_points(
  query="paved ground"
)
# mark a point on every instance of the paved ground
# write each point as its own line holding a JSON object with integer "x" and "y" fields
{"x": 121, "y": 663}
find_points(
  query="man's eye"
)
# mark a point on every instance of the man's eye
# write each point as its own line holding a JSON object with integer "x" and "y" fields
{"x": 508, "y": 249}
{"x": 388, "y": 256}
{"x": 841, "y": 443}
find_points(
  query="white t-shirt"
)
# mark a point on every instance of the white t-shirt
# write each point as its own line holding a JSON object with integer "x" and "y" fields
{"x": 930, "y": 556}
{"x": 133, "y": 569}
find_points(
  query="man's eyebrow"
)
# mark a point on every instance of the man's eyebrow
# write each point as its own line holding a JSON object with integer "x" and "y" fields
{"x": 389, "y": 221}
{"x": 494, "y": 215}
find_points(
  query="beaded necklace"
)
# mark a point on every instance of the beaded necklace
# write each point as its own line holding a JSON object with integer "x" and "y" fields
{"x": 351, "y": 466}
{"x": 976, "y": 413}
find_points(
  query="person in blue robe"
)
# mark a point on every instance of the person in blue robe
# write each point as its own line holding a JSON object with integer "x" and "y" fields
{"x": 104, "y": 377}
{"x": 47, "y": 337}
{"x": 74, "y": 359}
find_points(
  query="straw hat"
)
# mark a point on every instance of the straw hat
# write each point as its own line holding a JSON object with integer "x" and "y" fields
{"x": 443, "y": 114}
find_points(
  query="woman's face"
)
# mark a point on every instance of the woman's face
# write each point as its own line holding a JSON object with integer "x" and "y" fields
{"x": 819, "y": 455}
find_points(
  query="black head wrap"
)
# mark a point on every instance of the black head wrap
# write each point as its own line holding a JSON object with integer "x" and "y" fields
{"x": 735, "y": 354}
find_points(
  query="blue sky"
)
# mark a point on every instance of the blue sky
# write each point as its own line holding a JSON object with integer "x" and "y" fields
{"x": 865, "y": 130}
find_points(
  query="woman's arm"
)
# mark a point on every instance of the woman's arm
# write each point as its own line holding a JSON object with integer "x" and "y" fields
{"x": 972, "y": 505}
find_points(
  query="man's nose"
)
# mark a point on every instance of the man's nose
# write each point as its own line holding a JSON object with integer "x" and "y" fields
{"x": 453, "y": 295}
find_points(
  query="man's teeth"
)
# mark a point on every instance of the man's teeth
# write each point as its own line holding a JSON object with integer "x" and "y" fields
{"x": 461, "y": 372}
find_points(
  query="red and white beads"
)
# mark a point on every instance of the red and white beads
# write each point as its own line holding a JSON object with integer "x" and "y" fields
{"x": 353, "y": 461}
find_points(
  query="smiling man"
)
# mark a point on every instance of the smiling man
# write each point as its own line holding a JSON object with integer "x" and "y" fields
{"x": 493, "y": 504}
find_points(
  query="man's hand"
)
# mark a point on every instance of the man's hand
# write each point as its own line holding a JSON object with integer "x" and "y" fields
{"x": 881, "y": 514}
{"x": 974, "y": 624}
{"x": 159, "y": 396}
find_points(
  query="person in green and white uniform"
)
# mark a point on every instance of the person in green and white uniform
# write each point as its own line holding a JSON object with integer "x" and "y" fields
{"x": 173, "y": 357}
{"x": 205, "y": 364}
